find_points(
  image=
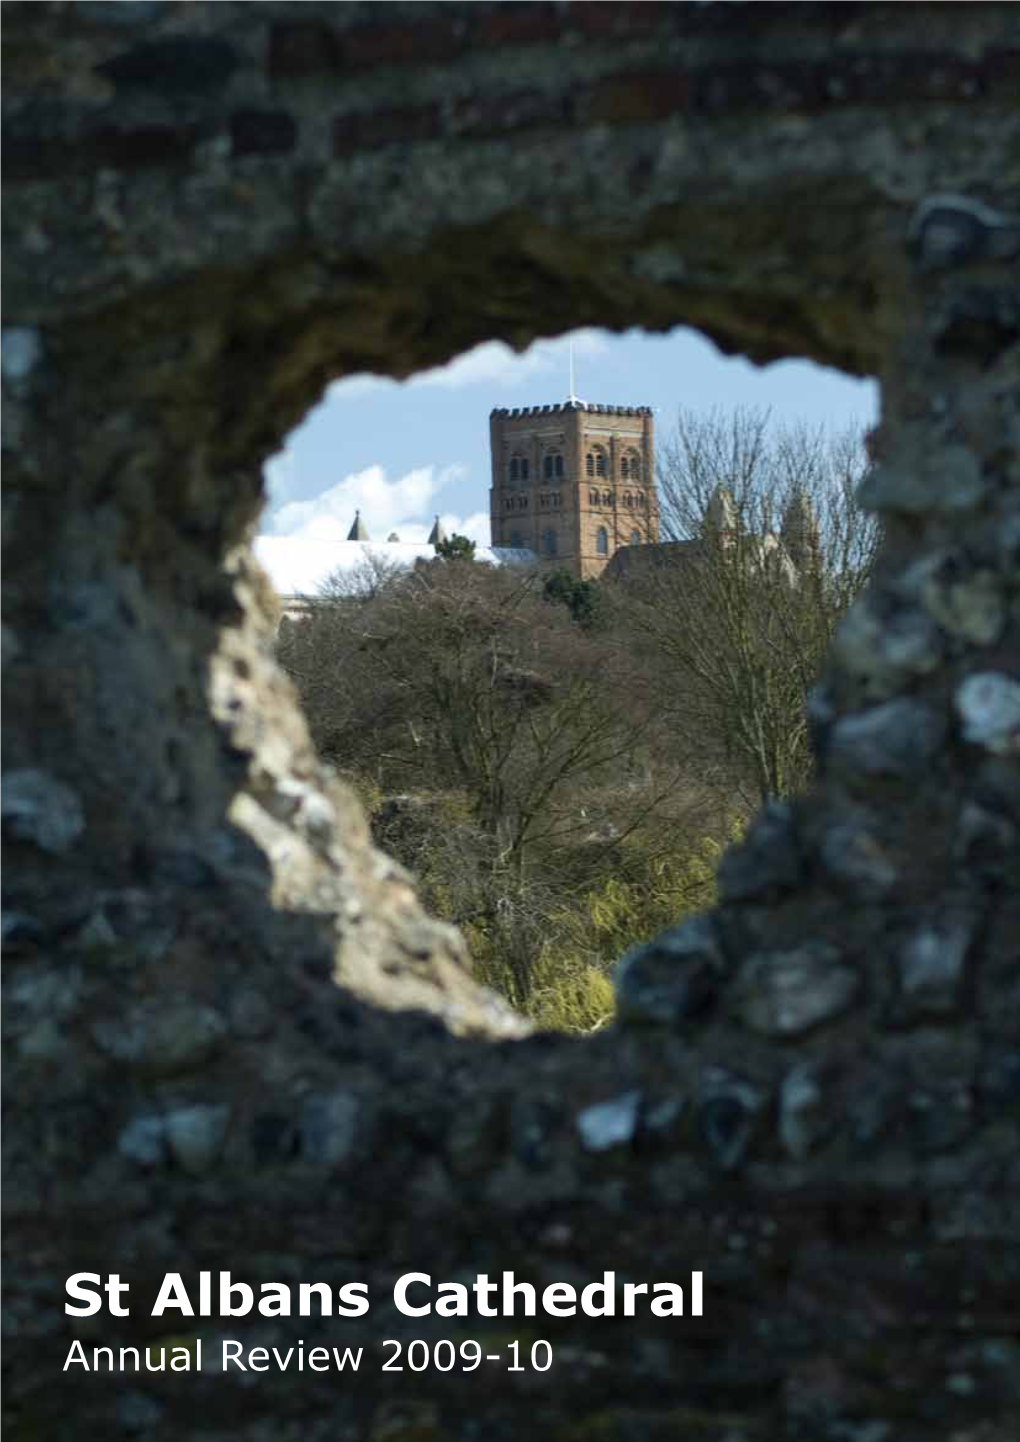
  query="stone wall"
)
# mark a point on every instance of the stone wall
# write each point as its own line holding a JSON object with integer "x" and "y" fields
{"x": 813, "y": 1094}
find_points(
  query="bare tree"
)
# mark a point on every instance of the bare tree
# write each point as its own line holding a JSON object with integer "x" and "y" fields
{"x": 764, "y": 549}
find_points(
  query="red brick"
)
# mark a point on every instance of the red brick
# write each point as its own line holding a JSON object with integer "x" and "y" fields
{"x": 30, "y": 157}
{"x": 637, "y": 97}
{"x": 262, "y": 132}
{"x": 999, "y": 70}
{"x": 598, "y": 18}
{"x": 305, "y": 47}
{"x": 525, "y": 24}
{"x": 364, "y": 130}
{"x": 379, "y": 44}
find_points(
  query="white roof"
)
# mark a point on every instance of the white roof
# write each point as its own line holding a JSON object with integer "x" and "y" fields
{"x": 298, "y": 567}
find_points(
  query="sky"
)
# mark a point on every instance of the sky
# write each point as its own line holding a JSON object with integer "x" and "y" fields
{"x": 402, "y": 452}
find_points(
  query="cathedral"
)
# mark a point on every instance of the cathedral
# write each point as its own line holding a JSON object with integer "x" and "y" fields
{"x": 573, "y": 483}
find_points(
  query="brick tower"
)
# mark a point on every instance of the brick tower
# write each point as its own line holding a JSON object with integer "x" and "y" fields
{"x": 573, "y": 482}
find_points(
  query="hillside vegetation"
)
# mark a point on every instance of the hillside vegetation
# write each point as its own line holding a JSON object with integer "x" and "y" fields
{"x": 559, "y": 763}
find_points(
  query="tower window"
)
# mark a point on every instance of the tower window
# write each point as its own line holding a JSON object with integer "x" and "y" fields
{"x": 600, "y": 463}
{"x": 525, "y": 468}
{"x": 549, "y": 543}
{"x": 517, "y": 540}
{"x": 547, "y": 467}
{"x": 558, "y": 466}
{"x": 635, "y": 538}
{"x": 602, "y": 541}
{"x": 607, "y": 498}
{"x": 628, "y": 499}
{"x": 589, "y": 464}
{"x": 515, "y": 470}
{"x": 630, "y": 466}
{"x": 625, "y": 467}
{"x": 593, "y": 497}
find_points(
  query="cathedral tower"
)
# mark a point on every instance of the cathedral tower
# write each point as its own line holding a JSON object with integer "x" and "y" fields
{"x": 573, "y": 482}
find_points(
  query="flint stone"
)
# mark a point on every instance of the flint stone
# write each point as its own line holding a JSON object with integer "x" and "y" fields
{"x": 898, "y": 738}
{"x": 948, "y": 482}
{"x": 164, "y": 1036}
{"x": 968, "y": 604}
{"x": 802, "y": 1119}
{"x": 983, "y": 838}
{"x": 851, "y": 854}
{"x": 988, "y": 704}
{"x": 195, "y": 1135}
{"x": 883, "y": 653}
{"x": 950, "y": 229}
{"x": 36, "y": 807}
{"x": 20, "y": 352}
{"x": 673, "y": 979}
{"x": 784, "y": 993}
{"x": 767, "y": 860}
{"x": 932, "y": 962}
{"x": 328, "y": 1127}
{"x": 726, "y": 1114}
{"x": 609, "y": 1124}
{"x": 143, "y": 1140}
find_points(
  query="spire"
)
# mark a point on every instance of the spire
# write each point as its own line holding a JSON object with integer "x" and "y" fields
{"x": 437, "y": 535}
{"x": 359, "y": 531}
{"x": 721, "y": 511}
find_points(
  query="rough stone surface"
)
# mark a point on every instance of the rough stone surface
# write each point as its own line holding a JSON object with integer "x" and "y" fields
{"x": 213, "y": 210}
{"x": 784, "y": 993}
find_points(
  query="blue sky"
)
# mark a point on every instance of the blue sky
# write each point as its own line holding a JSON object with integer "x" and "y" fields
{"x": 402, "y": 451}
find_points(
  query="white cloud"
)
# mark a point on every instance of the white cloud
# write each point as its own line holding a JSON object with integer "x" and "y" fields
{"x": 405, "y": 505}
{"x": 280, "y": 476}
{"x": 492, "y": 363}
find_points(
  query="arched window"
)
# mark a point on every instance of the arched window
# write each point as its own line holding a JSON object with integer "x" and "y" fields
{"x": 602, "y": 541}
{"x": 600, "y": 463}
{"x": 515, "y": 470}
{"x": 547, "y": 468}
{"x": 525, "y": 468}
{"x": 589, "y": 464}
{"x": 558, "y": 468}
{"x": 593, "y": 497}
{"x": 635, "y": 467}
{"x": 549, "y": 543}
{"x": 642, "y": 499}
{"x": 625, "y": 467}
{"x": 607, "y": 498}
{"x": 628, "y": 499}
{"x": 635, "y": 538}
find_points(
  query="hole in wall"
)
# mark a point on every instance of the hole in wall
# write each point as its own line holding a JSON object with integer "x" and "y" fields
{"x": 515, "y": 738}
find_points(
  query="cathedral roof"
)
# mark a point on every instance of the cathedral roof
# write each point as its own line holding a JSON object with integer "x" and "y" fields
{"x": 298, "y": 567}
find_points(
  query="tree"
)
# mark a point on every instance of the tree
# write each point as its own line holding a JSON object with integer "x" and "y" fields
{"x": 583, "y": 599}
{"x": 514, "y": 752}
{"x": 456, "y": 548}
{"x": 765, "y": 548}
